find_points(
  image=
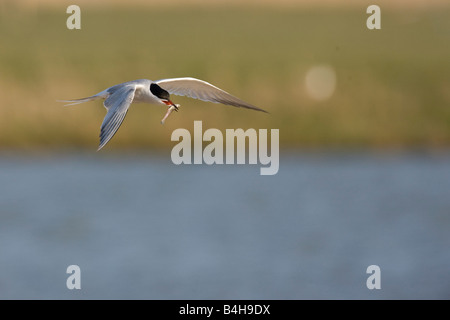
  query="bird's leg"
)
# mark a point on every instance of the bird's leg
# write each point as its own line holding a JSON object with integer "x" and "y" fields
{"x": 169, "y": 111}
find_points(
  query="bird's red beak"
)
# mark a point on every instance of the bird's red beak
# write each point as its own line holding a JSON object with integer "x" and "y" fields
{"x": 168, "y": 102}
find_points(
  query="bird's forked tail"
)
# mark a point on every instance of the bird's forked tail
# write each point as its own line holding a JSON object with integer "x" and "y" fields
{"x": 97, "y": 96}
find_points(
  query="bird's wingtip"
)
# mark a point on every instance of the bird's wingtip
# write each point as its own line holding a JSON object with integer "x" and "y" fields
{"x": 259, "y": 109}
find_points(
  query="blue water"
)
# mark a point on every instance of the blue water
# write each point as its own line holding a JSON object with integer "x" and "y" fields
{"x": 140, "y": 227}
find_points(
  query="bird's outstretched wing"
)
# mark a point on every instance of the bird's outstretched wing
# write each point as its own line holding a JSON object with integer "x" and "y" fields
{"x": 202, "y": 90}
{"x": 117, "y": 105}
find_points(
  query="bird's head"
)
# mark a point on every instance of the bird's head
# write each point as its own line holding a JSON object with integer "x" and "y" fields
{"x": 162, "y": 94}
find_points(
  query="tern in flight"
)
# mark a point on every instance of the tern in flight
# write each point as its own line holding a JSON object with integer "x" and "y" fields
{"x": 118, "y": 99}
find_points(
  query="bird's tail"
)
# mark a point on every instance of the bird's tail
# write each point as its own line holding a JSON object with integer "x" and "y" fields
{"x": 101, "y": 95}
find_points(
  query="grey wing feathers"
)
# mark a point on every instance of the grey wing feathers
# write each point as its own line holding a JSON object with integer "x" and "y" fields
{"x": 117, "y": 105}
{"x": 202, "y": 90}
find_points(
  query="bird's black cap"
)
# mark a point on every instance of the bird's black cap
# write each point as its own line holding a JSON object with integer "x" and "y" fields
{"x": 159, "y": 92}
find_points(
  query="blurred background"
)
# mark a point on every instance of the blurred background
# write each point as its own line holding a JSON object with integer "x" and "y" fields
{"x": 364, "y": 175}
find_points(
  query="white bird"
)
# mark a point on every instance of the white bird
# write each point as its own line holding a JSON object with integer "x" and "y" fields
{"x": 118, "y": 99}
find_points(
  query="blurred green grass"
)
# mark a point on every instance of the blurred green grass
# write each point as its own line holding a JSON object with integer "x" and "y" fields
{"x": 393, "y": 84}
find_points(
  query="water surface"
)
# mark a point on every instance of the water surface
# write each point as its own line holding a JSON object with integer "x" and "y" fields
{"x": 141, "y": 227}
